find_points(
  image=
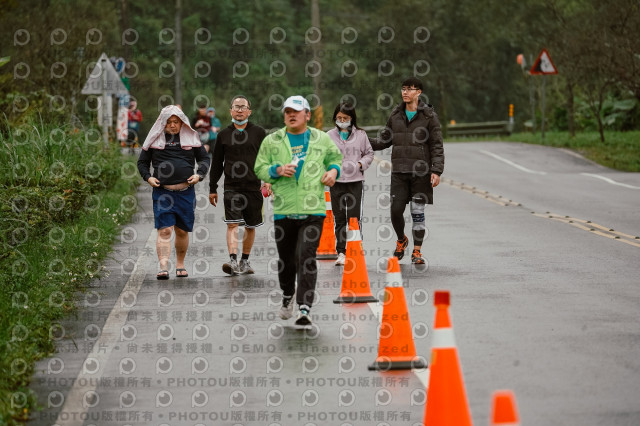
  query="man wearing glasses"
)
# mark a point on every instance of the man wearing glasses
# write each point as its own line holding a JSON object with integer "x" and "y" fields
{"x": 234, "y": 155}
{"x": 417, "y": 161}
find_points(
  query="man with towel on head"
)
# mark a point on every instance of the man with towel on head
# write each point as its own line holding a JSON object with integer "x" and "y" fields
{"x": 174, "y": 150}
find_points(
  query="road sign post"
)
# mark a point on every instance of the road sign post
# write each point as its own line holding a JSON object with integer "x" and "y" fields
{"x": 543, "y": 66}
{"x": 104, "y": 81}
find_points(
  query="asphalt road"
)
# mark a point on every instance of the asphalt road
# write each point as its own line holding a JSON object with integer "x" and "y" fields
{"x": 536, "y": 245}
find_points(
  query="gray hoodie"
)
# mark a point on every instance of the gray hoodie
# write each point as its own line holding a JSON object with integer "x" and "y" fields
{"x": 355, "y": 149}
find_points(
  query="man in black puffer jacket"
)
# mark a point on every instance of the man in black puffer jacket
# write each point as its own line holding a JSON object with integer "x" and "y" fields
{"x": 417, "y": 161}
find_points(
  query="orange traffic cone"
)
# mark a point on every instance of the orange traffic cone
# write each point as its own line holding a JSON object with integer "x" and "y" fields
{"x": 327, "y": 247}
{"x": 504, "y": 411}
{"x": 396, "y": 350}
{"x": 355, "y": 279}
{"x": 446, "y": 397}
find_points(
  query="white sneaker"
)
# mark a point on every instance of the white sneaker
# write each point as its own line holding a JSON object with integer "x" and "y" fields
{"x": 304, "y": 319}
{"x": 340, "y": 260}
{"x": 286, "y": 311}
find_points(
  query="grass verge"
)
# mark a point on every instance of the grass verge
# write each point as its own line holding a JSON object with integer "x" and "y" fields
{"x": 45, "y": 263}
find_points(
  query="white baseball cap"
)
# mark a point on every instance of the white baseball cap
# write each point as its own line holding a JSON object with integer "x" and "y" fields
{"x": 296, "y": 102}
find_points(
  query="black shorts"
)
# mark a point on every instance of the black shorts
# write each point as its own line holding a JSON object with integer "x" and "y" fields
{"x": 407, "y": 187}
{"x": 243, "y": 208}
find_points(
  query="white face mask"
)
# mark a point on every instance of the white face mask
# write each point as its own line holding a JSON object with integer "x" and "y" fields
{"x": 344, "y": 125}
{"x": 239, "y": 123}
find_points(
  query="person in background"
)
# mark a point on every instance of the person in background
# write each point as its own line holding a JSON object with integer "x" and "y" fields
{"x": 235, "y": 155}
{"x": 214, "y": 129}
{"x": 417, "y": 161}
{"x": 174, "y": 150}
{"x": 133, "y": 123}
{"x": 298, "y": 161}
{"x": 202, "y": 125}
{"x": 348, "y": 191}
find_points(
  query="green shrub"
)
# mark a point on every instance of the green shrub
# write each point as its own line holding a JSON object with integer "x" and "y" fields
{"x": 57, "y": 184}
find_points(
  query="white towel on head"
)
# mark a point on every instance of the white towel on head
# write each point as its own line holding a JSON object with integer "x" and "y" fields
{"x": 189, "y": 138}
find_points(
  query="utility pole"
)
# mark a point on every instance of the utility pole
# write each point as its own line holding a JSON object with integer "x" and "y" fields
{"x": 315, "y": 47}
{"x": 124, "y": 25}
{"x": 532, "y": 100}
{"x": 178, "y": 58}
{"x": 544, "y": 84}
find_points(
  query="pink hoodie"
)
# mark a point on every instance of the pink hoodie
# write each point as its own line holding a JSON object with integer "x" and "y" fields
{"x": 355, "y": 149}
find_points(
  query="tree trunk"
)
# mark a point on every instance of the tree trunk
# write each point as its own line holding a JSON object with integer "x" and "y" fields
{"x": 124, "y": 25}
{"x": 178, "y": 56}
{"x": 600, "y": 128}
{"x": 316, "y": 47}
{"x": 571, "y": 124}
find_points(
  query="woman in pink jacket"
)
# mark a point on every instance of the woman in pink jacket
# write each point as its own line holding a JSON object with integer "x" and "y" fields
{"x": 347, "y": 193}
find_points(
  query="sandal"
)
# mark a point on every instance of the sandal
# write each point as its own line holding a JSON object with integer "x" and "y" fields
{"x": 185, "y": 275}
{"x": 163, "y": 275}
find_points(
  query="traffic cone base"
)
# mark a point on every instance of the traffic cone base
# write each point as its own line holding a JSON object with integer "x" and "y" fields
{"x": 388, "y": 364}
{"x": 327, "y": 256}
{"x": 355, "y": 299}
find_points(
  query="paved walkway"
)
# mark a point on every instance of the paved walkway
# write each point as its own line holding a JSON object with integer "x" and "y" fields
{"x": 543, "y": 306}
{"x": 210, "y": 349}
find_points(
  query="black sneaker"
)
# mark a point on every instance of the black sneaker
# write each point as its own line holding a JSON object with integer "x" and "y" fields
{"x": 416, "y": 257}
{"x": 303, "y": 317}
{"x": 400, "y": 246}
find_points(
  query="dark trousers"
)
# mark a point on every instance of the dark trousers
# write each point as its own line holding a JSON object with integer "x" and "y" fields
{"x": 297, "y": 241}
{"x": 409, "y": 188}
{"x": 346, "y": 202}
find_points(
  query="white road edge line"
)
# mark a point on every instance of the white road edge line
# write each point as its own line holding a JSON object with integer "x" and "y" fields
{"x": 611, "y": 181}
{"x": 73, "y": 404}
{"x": 511, "y": 163}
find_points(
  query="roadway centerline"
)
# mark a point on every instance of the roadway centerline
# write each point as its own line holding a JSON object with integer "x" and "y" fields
{"x": 498, "y": 199}
{"x": 594, "y": 228}
{"x": 583, "y": 224}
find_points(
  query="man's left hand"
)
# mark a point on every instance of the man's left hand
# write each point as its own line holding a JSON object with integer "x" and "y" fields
{"x": 329, "y": 178}
{"x": 193, "y": 180}
{"x": 435, "y": 180}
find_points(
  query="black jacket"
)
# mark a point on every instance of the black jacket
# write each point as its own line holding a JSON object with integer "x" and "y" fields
{"x": 173, "y": 164}
{"x": 235, "y": 154}
{"x": 417, "y": 144}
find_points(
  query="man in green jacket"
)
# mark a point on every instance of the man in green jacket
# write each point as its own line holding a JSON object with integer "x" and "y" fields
{"x": 298, "y": 161}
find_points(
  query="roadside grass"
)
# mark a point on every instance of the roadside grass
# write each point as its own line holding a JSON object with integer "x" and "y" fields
{"x": 620, "y": 151}
{"x": 61, "y": 210}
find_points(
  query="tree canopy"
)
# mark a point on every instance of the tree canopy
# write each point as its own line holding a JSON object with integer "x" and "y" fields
{"x": 465, "y": 53}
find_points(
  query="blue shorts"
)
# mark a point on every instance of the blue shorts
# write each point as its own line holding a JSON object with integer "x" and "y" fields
{"x": 174, "y": 208}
